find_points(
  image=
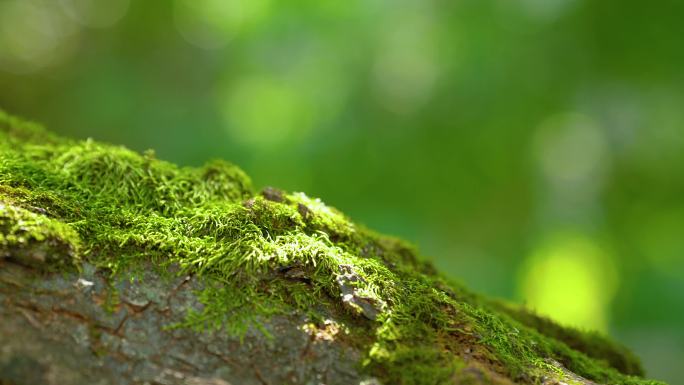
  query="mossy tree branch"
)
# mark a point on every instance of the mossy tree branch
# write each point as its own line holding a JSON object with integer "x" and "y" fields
{"x": 83, "y": 207}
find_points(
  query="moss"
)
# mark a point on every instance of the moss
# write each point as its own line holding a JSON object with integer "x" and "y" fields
{"x": 593, "y": 344}
{"x": 34, "y": 239}
{"x": 275, "y": 253}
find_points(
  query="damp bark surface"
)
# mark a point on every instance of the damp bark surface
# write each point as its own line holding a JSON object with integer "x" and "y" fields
{"x": 120, "y": 268}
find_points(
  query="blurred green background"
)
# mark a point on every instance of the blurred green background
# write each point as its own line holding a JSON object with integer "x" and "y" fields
{"x": 533, "y": 148}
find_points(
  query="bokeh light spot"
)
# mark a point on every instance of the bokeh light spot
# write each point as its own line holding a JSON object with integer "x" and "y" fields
{"x": 571, "y": 279}
{"x": 572, "y": 150}
{"x": 33, "y": 35}
{"x": 95, "y": 13}
{"x": 546, "y": 10}
{"x": 211, "y": 24}
{"x": 405, "y": 69}
{"x": 263, "y": 112}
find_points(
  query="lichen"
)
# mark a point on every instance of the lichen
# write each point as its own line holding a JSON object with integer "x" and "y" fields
{"x": 63, "y": 202}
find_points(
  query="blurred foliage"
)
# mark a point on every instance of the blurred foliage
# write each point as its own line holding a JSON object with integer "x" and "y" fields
{"x": 534, "y": 148}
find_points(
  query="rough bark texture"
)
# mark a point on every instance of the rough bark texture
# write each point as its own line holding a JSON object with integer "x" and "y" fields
{"x": 118, "y": 268}
{"x": 55, "y": 330}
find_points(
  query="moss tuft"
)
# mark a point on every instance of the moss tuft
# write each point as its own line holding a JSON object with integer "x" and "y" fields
{"x": 64, "y": 201}
{"x": 33, "y": 239}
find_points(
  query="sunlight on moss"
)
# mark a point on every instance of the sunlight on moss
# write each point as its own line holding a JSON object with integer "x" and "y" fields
{"x": 570, "y": 278}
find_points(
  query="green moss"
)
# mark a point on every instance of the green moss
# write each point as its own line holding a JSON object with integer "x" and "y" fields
{"x": 593, "y": 344}
{"x": 275, "y": 253}
{"x": 34, "y": 239}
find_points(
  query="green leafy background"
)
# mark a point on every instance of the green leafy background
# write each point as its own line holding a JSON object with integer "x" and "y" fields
{"x": 534, "y": 149}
